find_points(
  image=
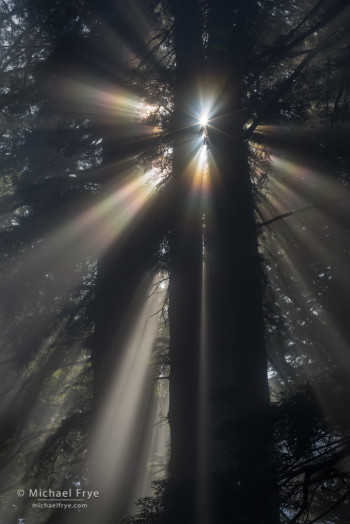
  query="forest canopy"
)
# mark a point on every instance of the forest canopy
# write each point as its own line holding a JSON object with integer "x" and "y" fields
{"x": 174, "y": 242}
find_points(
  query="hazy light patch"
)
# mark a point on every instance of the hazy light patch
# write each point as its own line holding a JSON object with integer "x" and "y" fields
{"x": 203, "y": 487}
{"x": 200, "y": 169}
{"x": 203, "y": 160}
{"x": 92, "y": 230}
{"x": 154, "y": 177}
{"x": 310, "y": 226}
{"x": 57, "y": 263}
{"x": 310, "y": 273}
{"x": 110, "y": 101}
{"x": 158, "y": 445}
{"x": 114, "y": 106}
{"x": 306, "y": 183}
{"x": 144, "y": 110}
{"x": 198, "y": 183}
{"x": 324, "y": 342}
{"x": 56, "y": 388}
{"x": 284, "y": 199}
{"x": 123, "y": 431}
{"x": 101, "y": 225}
{"x": 50, "y": 389}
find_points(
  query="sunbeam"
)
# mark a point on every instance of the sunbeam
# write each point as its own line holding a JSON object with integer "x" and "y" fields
{"x": 203, "y": 487}
{"x": 311, "y": 217}
{"x": 124, "y": 429}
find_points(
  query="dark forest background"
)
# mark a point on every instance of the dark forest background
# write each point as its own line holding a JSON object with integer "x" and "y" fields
{"x": 175, "y": 243}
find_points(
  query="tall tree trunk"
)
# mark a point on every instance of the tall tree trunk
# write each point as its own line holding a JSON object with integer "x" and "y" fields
{"x": 185, "y": 261}
{"x": 124, "y": 274}
{"x": 237, "y": 336}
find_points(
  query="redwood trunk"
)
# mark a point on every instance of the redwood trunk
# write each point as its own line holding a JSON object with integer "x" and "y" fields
{"x": 185, "y": 242}
{"x": 237, "y": 337}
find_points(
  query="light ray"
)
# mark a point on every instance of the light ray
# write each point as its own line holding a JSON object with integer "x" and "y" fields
{"x": 119, "y": 433}
{"x": 203, "y": 487}
{"x": 58, "y": 259}
{"x": 310, "y": 277}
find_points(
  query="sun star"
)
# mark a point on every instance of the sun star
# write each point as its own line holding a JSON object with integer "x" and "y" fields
{"x": 203, "y": 120}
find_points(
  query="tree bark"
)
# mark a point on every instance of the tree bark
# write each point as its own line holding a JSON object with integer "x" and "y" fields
{"x": 185, "y": 242}
{"x": 239, "y": 361}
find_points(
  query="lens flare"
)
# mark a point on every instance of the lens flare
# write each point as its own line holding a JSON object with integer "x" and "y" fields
{"x": 204, "y": 118}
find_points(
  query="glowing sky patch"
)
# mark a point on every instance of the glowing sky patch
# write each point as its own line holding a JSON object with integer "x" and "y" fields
{"x": 144, "y": 110}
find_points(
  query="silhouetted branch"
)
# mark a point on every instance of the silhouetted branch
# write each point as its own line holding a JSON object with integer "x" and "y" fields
{"x": 157, "y": 284}
{"x": 331, "y": 508}
{"x": 286, "y": 84}
{"x": 321, "y": 463}
{"x": 304, "y": 502}
{"x": 301, "y": 210}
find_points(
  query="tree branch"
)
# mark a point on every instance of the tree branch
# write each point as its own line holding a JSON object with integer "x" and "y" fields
{"x": 301, "y": 210}
{"x": 330, "y": 509}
